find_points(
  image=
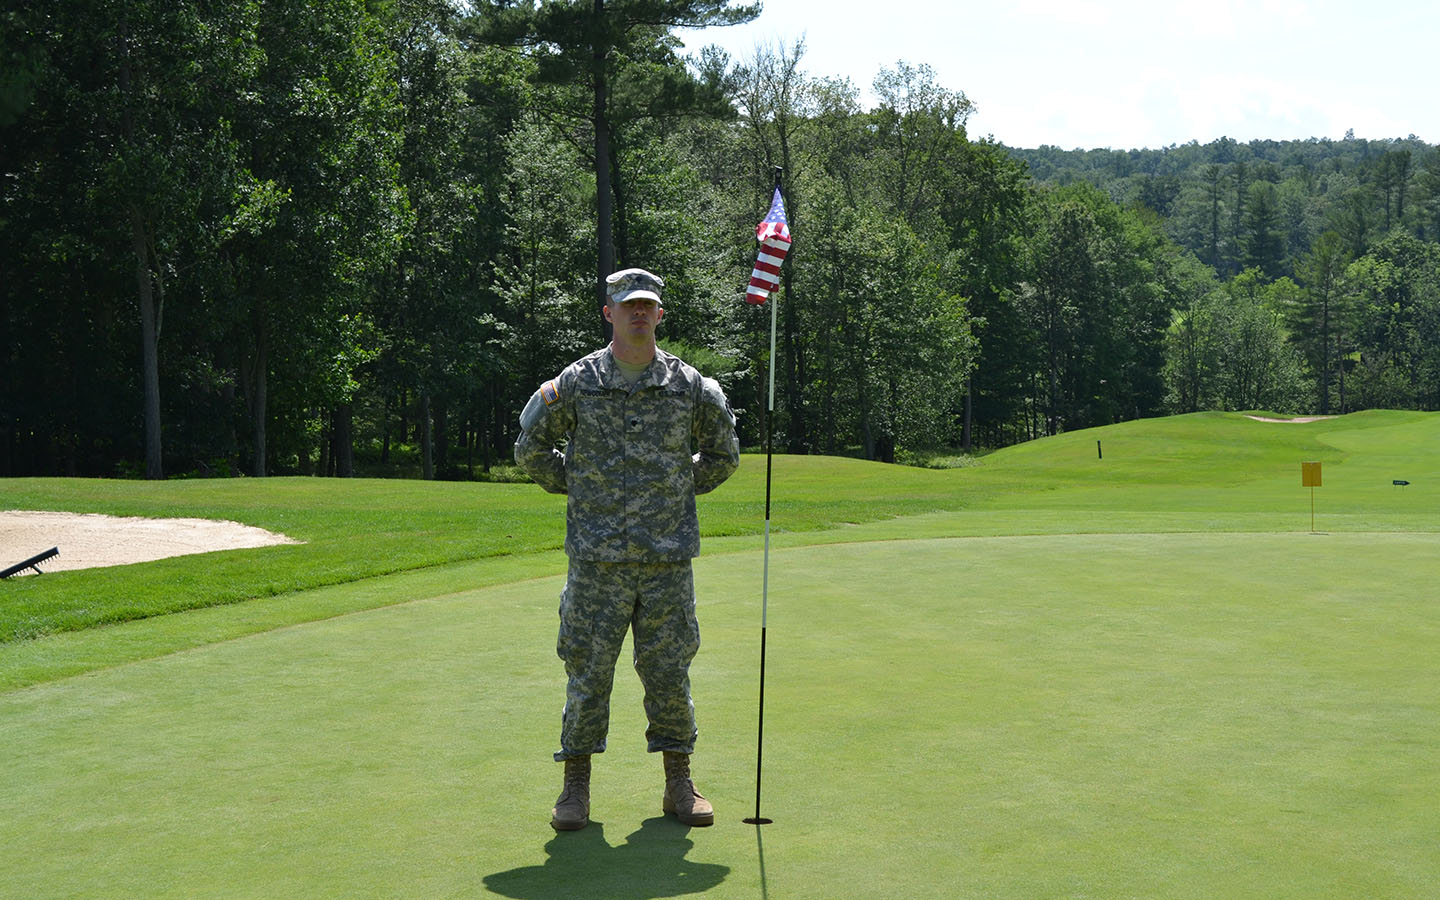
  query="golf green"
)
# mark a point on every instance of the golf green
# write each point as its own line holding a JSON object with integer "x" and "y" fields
{"x": 1109, "y": 715}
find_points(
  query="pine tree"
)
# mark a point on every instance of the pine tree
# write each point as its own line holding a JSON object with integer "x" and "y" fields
{"x": 593, "y": 43}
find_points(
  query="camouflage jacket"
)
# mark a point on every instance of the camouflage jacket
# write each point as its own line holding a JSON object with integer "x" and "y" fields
{"x": 633, "y": 458}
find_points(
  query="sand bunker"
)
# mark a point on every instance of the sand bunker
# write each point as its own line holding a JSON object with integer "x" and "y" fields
{"x": 1296, "y": 421}
{"x": 87, "y": 540}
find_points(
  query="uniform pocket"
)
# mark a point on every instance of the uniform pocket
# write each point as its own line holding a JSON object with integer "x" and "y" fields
{"x": 598, "y": 421}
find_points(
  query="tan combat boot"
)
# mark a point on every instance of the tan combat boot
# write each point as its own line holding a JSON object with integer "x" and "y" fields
{"x": 681, "y": 798}
{"x": 572, "y": 810}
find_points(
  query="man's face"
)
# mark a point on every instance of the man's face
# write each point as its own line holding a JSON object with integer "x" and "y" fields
{"x": 635, "y": 318}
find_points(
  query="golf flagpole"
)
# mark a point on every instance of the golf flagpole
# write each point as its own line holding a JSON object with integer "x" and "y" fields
{"x": 773, "y": 233}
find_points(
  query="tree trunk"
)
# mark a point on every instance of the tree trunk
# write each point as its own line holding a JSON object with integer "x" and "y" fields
{"x": 498, "y": 442}
{"x": 798, "y": 437}
{"x": 1340, "y": 374}
{"x": 150, "y": 345}
{"x": 149, "y": 314}
{"x": 385, "y": 431}
{"x": 1325, "y": 358}
{"x": 862, "y": 400}
{"x": 325, "y": 465}
{"x": 619, "y": 232}
{"x": 231, "y": 439}
{"x": 257, "y": 393}
{"x": 427, "y": 449}
{"x": 966, "y": 430}
{"x": 493, "y": 432}
{"x": 440, "y": 438}
{"x": 343, "y": 441}
{"x": 1052, "y": 399}
{"x": 403, "y": 408}
{"x": 885, "y": 448}
{"x": 471, "y": 432}
{"x": 604, "y": 195}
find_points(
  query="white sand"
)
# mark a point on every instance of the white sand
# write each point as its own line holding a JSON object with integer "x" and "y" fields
{"x": 87, "y": 540}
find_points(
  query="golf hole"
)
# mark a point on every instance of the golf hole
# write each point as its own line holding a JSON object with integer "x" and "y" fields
{"x": 758, "y": 821}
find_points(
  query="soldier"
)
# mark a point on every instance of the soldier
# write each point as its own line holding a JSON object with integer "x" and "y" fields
{"x": 642, "y": 433}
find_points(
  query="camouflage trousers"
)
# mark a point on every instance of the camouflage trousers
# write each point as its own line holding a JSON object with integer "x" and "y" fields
{"x": 601, "y": 602}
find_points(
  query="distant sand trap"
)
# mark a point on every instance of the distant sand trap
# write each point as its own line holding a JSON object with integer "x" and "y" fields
{"x": 88, "y": 540}
{"x": 1295, "y": 421}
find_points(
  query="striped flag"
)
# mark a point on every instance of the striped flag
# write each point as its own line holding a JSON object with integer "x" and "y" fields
{"x": 774, "y": 237}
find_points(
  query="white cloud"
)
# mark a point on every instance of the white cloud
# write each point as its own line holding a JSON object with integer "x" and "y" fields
{"x": 1132, "y": 73}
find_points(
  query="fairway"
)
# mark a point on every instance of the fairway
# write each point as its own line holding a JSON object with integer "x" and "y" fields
{"x": 954, "y": 708}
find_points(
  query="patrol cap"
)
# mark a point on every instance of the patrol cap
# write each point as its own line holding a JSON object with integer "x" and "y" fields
{"x": 628, "y": 283}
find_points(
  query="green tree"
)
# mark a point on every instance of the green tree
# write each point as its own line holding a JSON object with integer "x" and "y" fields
{"x": 919, "y": 131}
{"x": 1158, "y": 193}
{"x": 1395, "y": 293}
{"x": 1428, "y": 199}
{"x": 1351, "y": 217}
{"x": 1314, "y": 321}
{"x": 1099, "y": 308}
{"x": 889, "y": 361}
{"x": 1258, "y": 370}
{"x": 1192, "y": 349}
{"x": 1214, "y": 186}
{"x": 1380, "y": 323}
{"x": 120, "y": 140}
{"x": 592, "y": 44}
{"x": 830, "y": 284}
{"x": 540, "y": 277}
{"x": 1263, "y": 238}
{"x": 986, "y": 208}
{"x": 1393, "y": 171}
{"x": 1065, "y": 280}
{"x": 440, "y": 303}
{"x": 1298, "y": 219}
{"x": 1240, "y": 179}
{"x": 777, "y": 104}
{"x": 319, "y": 119}
{"x": 920, "y": 147}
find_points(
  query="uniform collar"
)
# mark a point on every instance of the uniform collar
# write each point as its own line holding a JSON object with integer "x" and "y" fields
{"x": 657, "y": 373}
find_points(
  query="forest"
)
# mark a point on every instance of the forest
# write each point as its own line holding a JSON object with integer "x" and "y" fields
{"x": 273, "y": 237}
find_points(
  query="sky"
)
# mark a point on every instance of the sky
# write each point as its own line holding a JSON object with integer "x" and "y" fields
{"x": 1126, "y": 74}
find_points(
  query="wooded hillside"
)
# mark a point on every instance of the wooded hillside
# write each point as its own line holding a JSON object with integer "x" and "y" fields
{"x": 352, "y": 239}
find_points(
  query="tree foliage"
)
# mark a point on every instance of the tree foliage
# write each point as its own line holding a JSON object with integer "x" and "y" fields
{"x": 353, "y": 238}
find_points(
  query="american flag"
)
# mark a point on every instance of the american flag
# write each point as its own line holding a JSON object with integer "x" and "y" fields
{"x": 774, "y": 237}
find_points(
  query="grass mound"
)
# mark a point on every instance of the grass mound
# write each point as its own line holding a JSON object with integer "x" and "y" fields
{"x": 1066, "y": 670}
{"x": 1201, "y": 472}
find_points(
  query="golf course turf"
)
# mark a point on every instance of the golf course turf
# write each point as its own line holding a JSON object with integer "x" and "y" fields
{"x": 1048, "y": 674}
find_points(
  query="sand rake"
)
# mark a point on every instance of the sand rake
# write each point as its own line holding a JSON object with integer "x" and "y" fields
{"x": 31, "y": 563}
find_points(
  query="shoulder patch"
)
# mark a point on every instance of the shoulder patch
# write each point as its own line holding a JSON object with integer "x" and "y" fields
{"x": 711, "y": 393}
{"x": 549, "y": 393}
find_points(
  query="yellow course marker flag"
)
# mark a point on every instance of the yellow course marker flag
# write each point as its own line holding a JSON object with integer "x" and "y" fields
{"x": 1310, "y": 477}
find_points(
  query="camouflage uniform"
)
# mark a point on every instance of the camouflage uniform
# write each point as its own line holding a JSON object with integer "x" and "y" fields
{"x": 630, "y": 471}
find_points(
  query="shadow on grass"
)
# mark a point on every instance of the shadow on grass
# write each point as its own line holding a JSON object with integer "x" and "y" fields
{"x": 650, "y": 864}
{"x": 760, "y": 848}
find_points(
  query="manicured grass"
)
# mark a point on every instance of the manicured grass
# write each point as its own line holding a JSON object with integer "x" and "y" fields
{"x": 1047, "y": 675}
{"x": 1063, "y": 715}
{"x": 1208, "y": 471}
{"x": 352, "y": 530}
{"x": 359, "y": 529}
